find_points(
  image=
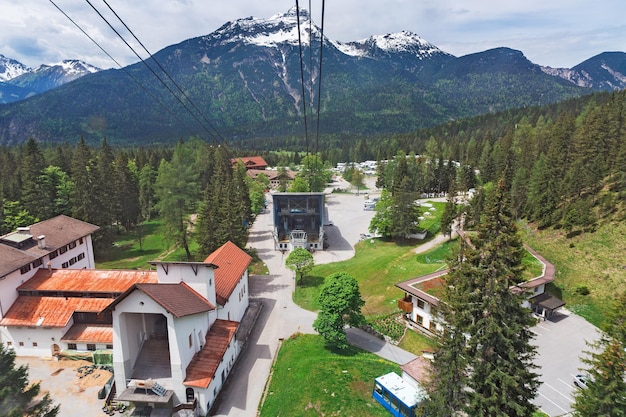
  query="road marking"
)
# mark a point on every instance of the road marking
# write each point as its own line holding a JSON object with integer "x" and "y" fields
{"x": 559, "y": 392}
{"x": 544, "y": 328}
{"x": 567, "y": 383}
{"x": 555, "y": 404}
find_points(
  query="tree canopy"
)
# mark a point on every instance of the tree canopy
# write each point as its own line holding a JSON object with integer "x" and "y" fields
{"x": 340, "y": 305}
{"x": 300, "y": 261}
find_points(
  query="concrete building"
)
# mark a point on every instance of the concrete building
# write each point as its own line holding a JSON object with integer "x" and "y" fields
{"x": 298, "y": 221}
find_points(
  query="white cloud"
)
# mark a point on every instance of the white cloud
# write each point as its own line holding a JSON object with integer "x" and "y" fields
{"x": 556, "y": 33}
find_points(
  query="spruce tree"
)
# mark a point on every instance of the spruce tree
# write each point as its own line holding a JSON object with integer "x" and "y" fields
{"x": 484, "y": 364}
{"x": 502, "y": 381}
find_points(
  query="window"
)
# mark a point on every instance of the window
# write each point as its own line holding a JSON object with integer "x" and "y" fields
{"x": 80, "y": 241}
{"x": 71, "y": 346}
{"x": 34, "y": 344}
{"x": 9, "y": 344}
{"x": 91, "y": 346}
{"x": 73, "y": 261}
{"x": 420, "y": 303}
{"x": 419, "y": 319}
{"x": 37, "y": 262}
{"x": 53, "y": 254}
{"x": 65, "y": 264}
{"x": 80, "y": 256}
{"x": 25, "y": 269}
{"x": 72, "y": 245}
{"x": 21, "y": 343}
{"x": 190, "y": 341}
{"x": 109, "y": 346}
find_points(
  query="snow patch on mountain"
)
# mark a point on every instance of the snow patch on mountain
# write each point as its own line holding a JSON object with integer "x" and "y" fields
{"x": 404, "y": 42}
{"x": 281, "y": 28}
{"x": 10, "y": 68}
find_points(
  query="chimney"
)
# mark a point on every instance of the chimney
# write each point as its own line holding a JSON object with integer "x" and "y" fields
{"x": 49, "y": 264}
{"x": 41, "y": 241}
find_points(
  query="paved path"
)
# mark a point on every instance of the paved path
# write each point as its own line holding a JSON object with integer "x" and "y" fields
{"x": 280, "y": 317}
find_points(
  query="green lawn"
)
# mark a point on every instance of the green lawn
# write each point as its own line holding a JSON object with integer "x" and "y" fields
{"x": 377, "y": 266}
{"x": 127, "y": 253}
{"x": 310, "y": 380}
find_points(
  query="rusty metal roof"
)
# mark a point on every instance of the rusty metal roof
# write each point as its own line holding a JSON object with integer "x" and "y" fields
{"x": 203, "y": 366}
{"x": 86, "y": 280}
{"x": 89, "y": 333}
{"x": 232, "y": 263}
{"x": 34, "y": 311}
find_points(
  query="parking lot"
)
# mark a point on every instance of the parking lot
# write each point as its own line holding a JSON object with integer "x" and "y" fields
{"x": 560, "y": 345}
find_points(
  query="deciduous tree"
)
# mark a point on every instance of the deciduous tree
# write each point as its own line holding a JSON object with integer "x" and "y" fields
{"x": 340, "y": 305}
{"x": 300, "y": 261}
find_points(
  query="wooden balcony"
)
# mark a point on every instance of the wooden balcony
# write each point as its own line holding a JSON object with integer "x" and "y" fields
{"x": 406, "y": 305}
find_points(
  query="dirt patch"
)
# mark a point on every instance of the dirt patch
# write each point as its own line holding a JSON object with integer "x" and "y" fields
{"x": 86, "y": 375}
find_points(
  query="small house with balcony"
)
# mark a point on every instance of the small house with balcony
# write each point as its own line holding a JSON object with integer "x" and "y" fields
{"x": 422, "y": 296}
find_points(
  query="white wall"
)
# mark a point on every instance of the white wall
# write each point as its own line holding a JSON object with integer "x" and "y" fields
{"x": 43, "y": 337}
{"x": 238, "y": 302}
{"x": 9, "y": 283}
{"x": 201, "y": 280}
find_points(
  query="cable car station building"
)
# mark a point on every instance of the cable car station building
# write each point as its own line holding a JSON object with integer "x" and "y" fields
{"x": 298, "y": 221}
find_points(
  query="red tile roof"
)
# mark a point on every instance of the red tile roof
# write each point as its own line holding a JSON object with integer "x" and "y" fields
{"x": 231, "y": 263}
{"x": 179, "y": 299}
{"x": 251, "y": 162}
{"x": 34, "y": 311}
{"x": 89, "y": 333}
{"x": 86, "y": 280}
{"x": 202, "y": 368}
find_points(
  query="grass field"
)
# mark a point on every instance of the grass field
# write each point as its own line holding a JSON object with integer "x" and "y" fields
{"x": 300, "y": 386}
{"x": 377, "y": 266}
{"x": 589, "y": 261}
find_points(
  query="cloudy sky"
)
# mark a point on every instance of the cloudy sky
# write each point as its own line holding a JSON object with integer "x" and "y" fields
{"x": 556, "y": 33}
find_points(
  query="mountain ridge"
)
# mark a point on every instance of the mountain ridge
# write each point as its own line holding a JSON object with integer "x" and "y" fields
{"x": 245, "y": 78}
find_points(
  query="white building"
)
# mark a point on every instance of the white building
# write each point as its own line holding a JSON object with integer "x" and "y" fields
{"x": 172, "y": 330}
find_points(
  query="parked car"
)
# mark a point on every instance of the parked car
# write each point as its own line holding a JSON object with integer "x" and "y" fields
{"x": 580, "y": 381}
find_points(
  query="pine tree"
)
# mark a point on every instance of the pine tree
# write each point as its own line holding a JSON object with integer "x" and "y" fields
{"x": 486, "y": 331}
{"x": 501, "y": 356}
{"x": 31, "y": 167}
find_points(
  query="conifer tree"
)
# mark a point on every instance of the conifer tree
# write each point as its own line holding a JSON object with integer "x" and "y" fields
{"x": 17, "y": 397}
{"x": 486, "y": 337}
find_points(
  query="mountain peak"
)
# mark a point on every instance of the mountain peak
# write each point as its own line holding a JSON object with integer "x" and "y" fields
{"x": 281, "y": 28}
{"x": 10, "y": 68}
{"x": 405, "y": 42}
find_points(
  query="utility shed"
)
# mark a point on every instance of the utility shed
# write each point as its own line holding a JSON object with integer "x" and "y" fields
{"x": 398, "y": 396}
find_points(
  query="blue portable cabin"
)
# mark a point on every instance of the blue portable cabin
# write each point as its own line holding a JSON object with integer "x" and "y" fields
{"x": 398, "y": 396}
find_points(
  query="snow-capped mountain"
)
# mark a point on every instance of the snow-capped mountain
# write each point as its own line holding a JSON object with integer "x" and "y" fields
{"x": 10, "y": 68}
{"x": 23, "y": 82}
{"x": 47, "y": 77}
{"x": 281, "y": 28}
{"x": 246, "y": 76}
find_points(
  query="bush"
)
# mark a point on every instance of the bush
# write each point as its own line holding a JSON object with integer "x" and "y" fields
{"x": 582, "y": 290}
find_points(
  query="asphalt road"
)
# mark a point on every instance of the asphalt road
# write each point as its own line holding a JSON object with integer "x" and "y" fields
{"x": 280, "y": 317}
